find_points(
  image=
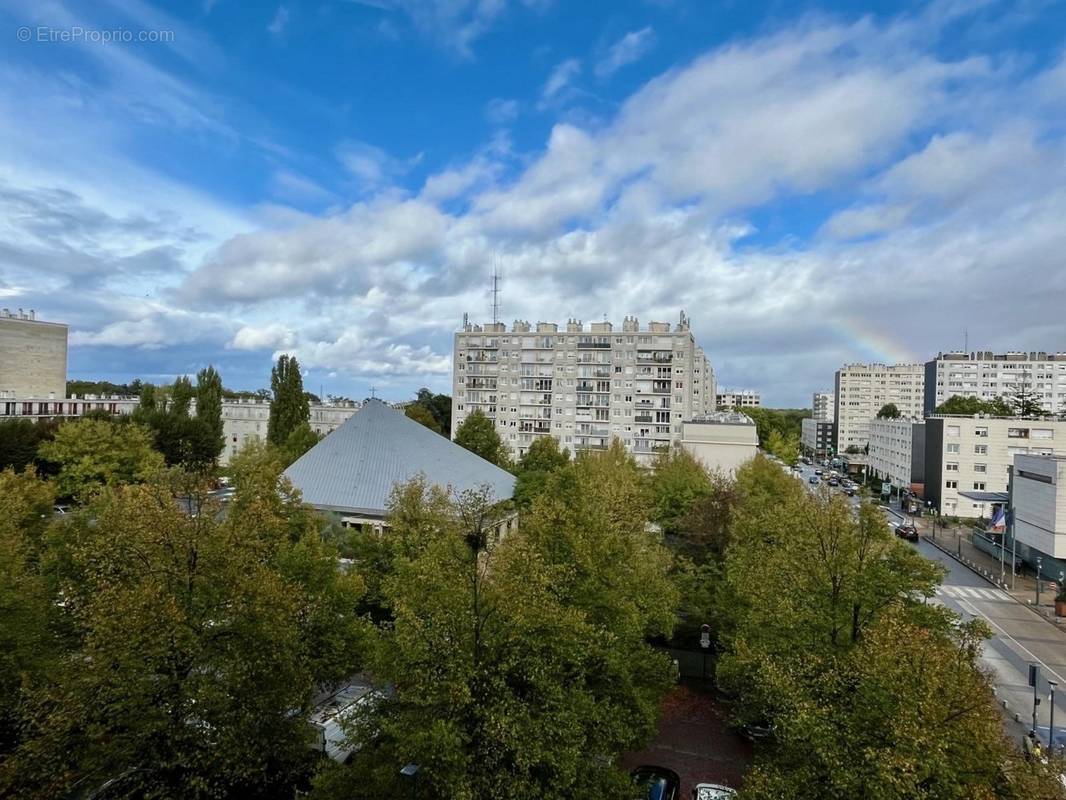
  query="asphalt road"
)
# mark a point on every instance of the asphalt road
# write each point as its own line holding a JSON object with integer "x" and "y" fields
{"x": 1021, "y": 638}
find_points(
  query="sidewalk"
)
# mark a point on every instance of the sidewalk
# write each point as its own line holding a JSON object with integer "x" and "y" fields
{"x": 956, "y": 543}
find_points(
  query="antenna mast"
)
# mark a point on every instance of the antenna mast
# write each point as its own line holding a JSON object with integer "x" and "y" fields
{"x": 495, "y": 291}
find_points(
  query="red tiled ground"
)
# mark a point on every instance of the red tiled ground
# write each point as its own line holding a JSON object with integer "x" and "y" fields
{"x": 695, "y": 741}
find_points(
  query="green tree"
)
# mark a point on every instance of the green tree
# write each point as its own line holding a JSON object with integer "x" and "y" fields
{"x": 149, "y": 398}
{"x": 202, "y": 643}
{"x": 439, "y": 405}
{"x": 302, "y": 439}
{"x": 786, "y": 421}
{"x": 677, "y": 484}
{"x": 1027, "y": 403}
{"x": 28, "y": 641}
{"x": 289, "y": 407}
{"x": 541, "y": 459}
{"x": 422, "y": 415}
{"x": 20, "y": 440}
{"x": 959, "y": 404}
{"x": 477, "y": 433}
{"x": 95, "y": 453}
{"x": 784, "y": 446}
{"x": 888, "y": 411}
{"x": 181, "y": 395}
{"x": 209, "y": 404}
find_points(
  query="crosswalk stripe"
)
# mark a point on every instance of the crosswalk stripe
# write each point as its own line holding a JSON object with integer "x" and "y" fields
{"x": 962, "y": 592}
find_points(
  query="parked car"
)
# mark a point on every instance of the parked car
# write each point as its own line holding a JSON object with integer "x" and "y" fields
{"x": 813, "y": 479}
{"x": 834, "y": 482}
{"x": 849, "y": 491}
{"x": 818, "y": 471}
{"x": 712, "y": 791}
{"x": 907, "y": 531}
{"x": 656, "y": 783}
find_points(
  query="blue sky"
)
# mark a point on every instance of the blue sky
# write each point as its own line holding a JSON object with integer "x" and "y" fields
{"x": 813, "y": 184}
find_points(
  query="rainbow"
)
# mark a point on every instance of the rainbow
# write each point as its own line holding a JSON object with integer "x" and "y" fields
{"x": 875, "y": 345}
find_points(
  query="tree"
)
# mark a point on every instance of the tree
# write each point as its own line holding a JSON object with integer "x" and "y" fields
{"x": 289, "y": 406}
{"x": 541, "y": 459}
{"x": 299, "y": 442}
{"x": 786, "y": 421}
{"x": 1027, "y": 403}
{"x": 960, "y": 404}
{"x": 678, "y": 482}
{"x": 20, "y": 440}
{"x": 149, "y": 398}
{"x": 888, "y": 411}
{"x": 181, "y": 394}
{"x": 439, "y": 405}
{"x": 28, "y": 640}
{"x": 784, "y": 446}
{"x": 209, "y": 403}
{"x": 477, "y": 433}
{"x": 94, "y": 453}
{"x": 422, "y": 415}
{"x": 202, "y": 642}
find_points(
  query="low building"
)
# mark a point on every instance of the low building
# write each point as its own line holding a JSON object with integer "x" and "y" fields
{"x": 1038, "y": 497}
{"x": 816, "y": 438}
{"x": 352, "y": 471}
{"x": 737, "y": 398}
{"x": 721, "y": 441}
{"x": 33, "y": 357}
{"x": 823, "y": 406}
{"x": 897, "y": 452}
{"x": 968, "y": 458}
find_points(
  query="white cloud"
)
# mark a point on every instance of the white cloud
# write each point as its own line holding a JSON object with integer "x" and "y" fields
{"x": 280, "y": 21}
{"x": 500, "y": 111}
{"x": 265, "y": 337}
{"x": 561, "y": 77}
{"x": 631, "y": 47}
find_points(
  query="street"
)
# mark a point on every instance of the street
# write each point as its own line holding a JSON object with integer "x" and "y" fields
{"x": 1021, "y": 638}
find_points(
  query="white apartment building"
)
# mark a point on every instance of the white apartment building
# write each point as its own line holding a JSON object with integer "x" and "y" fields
{"x": 988, "y": 375}
{"x": 862, "y": 389}
{"x": 897, "y": 451}
{"x": 823, "y": 404}
{"x": 722, "y": 441}
{"x": 242, "y": 420}
{"x": 33, "y": 357}
{"x": 738, "y": 398}
{"x": 1038, "y": 497}
{"x": 967, "y": 459}
{"x": 584, "y": 385}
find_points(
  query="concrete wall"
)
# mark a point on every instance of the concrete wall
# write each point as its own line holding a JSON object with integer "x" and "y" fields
{"x": 33, "y": 358}
{"x": 1039, "y": 497}
{"x": 720, "y": 446}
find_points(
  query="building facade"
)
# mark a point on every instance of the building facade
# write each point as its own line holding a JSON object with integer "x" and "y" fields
{"x": 737, "y": 398}
{"x": 987, "y": 375}
{"x": 721, "y": 441}
{"x": 584, "y": 385}
{"x": 1038, "y": 497}
{"x": 243, "y": 420}
{"x": 33, "y": 357}
{"x": 972, "y": 455}
{"x": 823, "y": 406}
{"x": 897, "y": 452}
{"x": 816, "y": 438}
{"x": 862, "y": 389}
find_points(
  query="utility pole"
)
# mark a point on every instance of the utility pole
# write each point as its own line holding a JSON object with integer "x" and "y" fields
{"x": 1051, "y": 727}
{"x": 1034, "y": 679}
{"x": 1038, "y": 569}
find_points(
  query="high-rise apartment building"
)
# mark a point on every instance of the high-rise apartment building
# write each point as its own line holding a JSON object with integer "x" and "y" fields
{"x": 824, "y": 407}
{"x": 862, "y": 389}
{"x": 583, "y": 384}
{"x": 988, "y": 375}
{"x": 33, "y": 356}
{"x": 738, "y": 398}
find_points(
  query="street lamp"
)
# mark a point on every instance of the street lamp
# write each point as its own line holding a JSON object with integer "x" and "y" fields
{"x": 705, "y": 643}
{"x": 410, "y": 774}
{"x": 1051, "y": 727}
{"x": 1039, "y": 560}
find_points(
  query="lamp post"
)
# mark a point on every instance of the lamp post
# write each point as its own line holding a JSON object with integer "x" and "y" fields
{"x": 410, "y": 774}
{"x": 705, "y": 644}
{"x": 1051, "y": 727}
{"x": 1039, "y": 560}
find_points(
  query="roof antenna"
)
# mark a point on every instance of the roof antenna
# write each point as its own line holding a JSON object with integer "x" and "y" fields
{"x": 966, "y": 339}
{"x": 495, "y": 291}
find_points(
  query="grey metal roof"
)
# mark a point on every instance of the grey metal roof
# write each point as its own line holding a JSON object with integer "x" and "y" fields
{"x": 354, "y": 468}
{"x": 986, "y": 497}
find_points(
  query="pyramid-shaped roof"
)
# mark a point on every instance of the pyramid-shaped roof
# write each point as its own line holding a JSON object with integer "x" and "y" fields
{"x": 354, "y": 468}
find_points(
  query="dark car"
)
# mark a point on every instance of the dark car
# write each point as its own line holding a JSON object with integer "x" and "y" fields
{"x": 656, "y": 783}
{"x": 818, "y": 471}
{"x": 849, "y": 491}
{"x": 834, "y": 482}
{"x": 813, "y": 479}
{"x": 907, "y": 531}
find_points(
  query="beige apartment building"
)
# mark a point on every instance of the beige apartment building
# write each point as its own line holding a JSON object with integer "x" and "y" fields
{"x": 33, "y": 356}
{"x": 988, "y": 375}
{"x": 967, "y": 459}
{"x": 823, "y": 406}
{"x": 583, "y": 384}
{"x": 722, "y": 441}
{"x": 862, "y": 389}
{"x": 897, "y": 452}
{"x": 738, "y": 398}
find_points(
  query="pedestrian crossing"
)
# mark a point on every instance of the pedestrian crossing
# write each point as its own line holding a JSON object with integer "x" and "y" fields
{"x": 971, "y": 593}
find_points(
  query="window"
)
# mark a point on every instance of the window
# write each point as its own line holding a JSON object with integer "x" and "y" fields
{"x": 980, "y": 449}
{"x": 980, "y": 468}
{"x": 1017, "y": 433}
{"x": 1041, "y": 433}
{"x": 953, "y": 448}
{"x": 980, "y": 432}
{"x": 978, "y": 486}
{"x": 952, "y": 430}
{"x": 951, "y": 466}
{"x": 951, "y": 484}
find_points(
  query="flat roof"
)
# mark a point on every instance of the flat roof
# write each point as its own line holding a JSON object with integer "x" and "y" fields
{"x": 986, "y": 497}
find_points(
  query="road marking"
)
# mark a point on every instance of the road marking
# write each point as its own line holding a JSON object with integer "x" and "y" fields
{"x": 971, "y": 609}
{"x": 962, "y": 592}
